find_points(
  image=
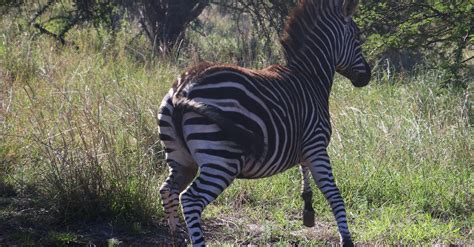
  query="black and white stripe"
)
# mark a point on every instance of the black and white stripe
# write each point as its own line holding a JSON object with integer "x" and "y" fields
{"x": 218, "y": 123}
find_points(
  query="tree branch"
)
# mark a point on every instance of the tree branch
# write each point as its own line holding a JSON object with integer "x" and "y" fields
{"x": 59, "y": 38}
{"x": 41, "y": 11}
{"x": 468, "y": 59}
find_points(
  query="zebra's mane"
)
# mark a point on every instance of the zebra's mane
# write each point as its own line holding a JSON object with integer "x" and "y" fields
{"x": 300, "y": 21}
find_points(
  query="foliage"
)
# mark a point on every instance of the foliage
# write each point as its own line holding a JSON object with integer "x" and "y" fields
{"x": 433, "y": 31}
{"x": 267, "y": 17}
{"x": 163, "y": 22}
{"x": 441, "y": 31}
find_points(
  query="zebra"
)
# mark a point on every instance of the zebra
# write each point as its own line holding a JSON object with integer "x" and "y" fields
{"x": 222, "y": 122}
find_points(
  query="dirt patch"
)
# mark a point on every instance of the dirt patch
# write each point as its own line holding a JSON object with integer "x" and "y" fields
{"x": 24, "y": 222}
{"x": 238, "y": 229}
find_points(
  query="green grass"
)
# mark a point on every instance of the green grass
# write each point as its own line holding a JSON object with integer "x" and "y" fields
{"x": 79, "y": 136}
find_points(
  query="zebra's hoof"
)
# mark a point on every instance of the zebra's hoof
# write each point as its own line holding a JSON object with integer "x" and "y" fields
{"x": 308, "y": 218}
{"x": 347, "y": 243}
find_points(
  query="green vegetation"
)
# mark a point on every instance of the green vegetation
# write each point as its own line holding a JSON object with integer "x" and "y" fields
{"x": 439, "y": 32}
{"x": 434, "y": 32}
{"x": 79, "y": 149}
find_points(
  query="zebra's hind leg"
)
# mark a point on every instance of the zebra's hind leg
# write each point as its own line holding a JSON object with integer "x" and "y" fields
{"x": 321, "y": 170}
{"x": 307, "y": 195}
{"x": 181, "y": 165}
{"x": 179, "y": 178}
{"x": 210, "y": 183}
{"x": 219, "y": 162}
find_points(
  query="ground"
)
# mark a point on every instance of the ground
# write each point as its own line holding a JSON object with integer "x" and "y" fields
{"x": 24, "y": 223}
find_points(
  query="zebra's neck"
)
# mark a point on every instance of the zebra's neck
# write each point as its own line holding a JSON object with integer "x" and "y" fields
{"x": 312, "y": 45}
{"x": 316, "y": 69}
{"x": 317, "y": 74}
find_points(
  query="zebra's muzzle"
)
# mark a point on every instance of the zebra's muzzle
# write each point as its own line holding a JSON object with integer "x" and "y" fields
{"x": 358, "y": 77}
{"x": 361, "y": 79}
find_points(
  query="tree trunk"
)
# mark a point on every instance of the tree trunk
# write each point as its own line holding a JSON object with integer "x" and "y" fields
{"x": 165, "y": 21}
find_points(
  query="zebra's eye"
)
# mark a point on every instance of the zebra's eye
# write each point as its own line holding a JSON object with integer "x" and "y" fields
{"x": 358, "y": 35}
{"x": 357, "y": 32}
{"x": 361, "y": 37}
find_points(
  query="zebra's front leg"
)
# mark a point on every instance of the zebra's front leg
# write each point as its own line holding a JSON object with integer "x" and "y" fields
{"x": 307, "y": 195}
{"x": 322, "y": 173}
{"x": 179, "y": 178}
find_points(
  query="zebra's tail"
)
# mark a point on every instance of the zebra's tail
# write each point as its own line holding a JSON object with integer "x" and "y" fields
{"x": 245, "y": 139}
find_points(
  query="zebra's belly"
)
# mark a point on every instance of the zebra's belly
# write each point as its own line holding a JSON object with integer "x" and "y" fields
{"x": 254, "y": 170}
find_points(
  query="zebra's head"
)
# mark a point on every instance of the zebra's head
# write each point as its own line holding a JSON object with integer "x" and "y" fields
{"x": 351, "y": 63}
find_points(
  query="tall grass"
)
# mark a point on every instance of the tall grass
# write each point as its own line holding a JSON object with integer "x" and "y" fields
{"x": 80, "y": 125}
{"x": 78, "y": 130}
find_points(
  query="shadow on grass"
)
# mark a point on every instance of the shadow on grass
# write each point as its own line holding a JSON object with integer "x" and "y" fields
{"x": 24, "y": 222}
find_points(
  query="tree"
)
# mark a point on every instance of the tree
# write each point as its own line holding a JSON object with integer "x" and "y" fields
{"x": 268, "y": 17}
{"x": 442, "y": 30}
{"x": 163, "y": 21}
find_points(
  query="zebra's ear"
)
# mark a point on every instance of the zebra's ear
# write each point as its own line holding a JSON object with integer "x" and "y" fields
{"x": 349, "y": 7}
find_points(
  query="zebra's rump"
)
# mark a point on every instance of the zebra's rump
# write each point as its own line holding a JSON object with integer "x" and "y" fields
{"x": 244, "y": 104}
